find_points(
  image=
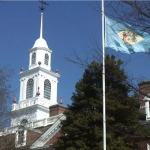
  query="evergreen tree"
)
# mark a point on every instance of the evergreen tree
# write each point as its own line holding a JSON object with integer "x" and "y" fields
{"x": 83, "y": 127}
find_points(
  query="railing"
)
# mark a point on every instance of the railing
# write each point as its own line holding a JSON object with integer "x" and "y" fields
{"x": 49, "y": 133}
{"x": 39, "y": 123}
{"x": 6, "y": 131}
{"x": 31, "y": 102}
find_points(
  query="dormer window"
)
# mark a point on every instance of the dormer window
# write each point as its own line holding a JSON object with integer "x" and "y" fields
{"x": 21, "y": 137}
{"x": 33, "y": 58}
{"x": 46, "y": 59}
{"x": 29, "y": 90}
{"x": 47, "y": 89}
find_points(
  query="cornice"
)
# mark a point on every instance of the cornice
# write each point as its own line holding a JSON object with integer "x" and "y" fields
{"x": 40, "y": 48}
{"x": 36, "y": 70}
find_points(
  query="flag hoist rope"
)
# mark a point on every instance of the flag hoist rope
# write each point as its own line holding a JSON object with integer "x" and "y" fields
{"x": 103, "y": 75}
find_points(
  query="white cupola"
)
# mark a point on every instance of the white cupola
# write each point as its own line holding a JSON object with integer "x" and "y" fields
{"x": 40, "y": 54}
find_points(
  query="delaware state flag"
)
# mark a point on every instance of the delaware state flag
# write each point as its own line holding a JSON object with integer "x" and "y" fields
{"x": 122, "y": 37}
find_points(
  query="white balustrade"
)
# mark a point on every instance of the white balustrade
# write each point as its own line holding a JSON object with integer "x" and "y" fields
{"x": 30, "y": 102}
{"x": 49, "y": 133}
{"x": 39, "y": 123}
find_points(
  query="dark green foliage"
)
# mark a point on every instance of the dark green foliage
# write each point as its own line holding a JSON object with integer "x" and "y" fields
{"x": 83, "y": 128}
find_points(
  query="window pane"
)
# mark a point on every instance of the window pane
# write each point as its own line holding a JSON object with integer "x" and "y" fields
{"x": 20, "y": 136}
{"x": 46, "y": 59}
{"x": 33, "y": 58}
{"x": 47, "y": 89}
{"x": 29, "y": 90}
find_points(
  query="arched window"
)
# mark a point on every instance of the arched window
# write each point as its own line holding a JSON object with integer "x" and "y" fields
{"x": 46, "y": 59}
{"x": 24, "y": 122}
{"x": 29, "y": 90}
{"x": 33, "y": 58}
{"x": 47, "y": 89}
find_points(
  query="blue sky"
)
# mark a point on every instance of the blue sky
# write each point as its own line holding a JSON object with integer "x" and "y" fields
{"x": 68, "y": 26}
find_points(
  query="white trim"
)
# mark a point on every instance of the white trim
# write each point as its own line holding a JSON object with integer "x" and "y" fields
{"x": 24, "y": 138}
{"x": 30, "y": 125}
{"x": 148, "y": 146}
{"x": 39, "y": 48}
{"x": 48, "y": 134}
{"x": 36, "y": 70}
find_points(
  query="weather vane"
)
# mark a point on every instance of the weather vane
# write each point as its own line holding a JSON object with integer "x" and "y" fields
{"x": 42, "y": 8}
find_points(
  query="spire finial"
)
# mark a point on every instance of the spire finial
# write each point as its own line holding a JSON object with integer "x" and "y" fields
{"x": 14, "y": 99}
{"x": 61, "y": 102}
{"x": 42, "y": 9}
{"x": 38, "y": 93}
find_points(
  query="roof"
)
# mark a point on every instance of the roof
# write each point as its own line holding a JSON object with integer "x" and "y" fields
{"x": 7, "y": 142}
{"x": 34, "y": 138}
{"x": 144, "y": 82}
{"x": 40, "y": 43}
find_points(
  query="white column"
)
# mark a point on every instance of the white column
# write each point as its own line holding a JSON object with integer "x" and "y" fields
{"x": 30, "y": 59}
{"x": 24, "y": 89}
{"x": 147, "y": 109}
{"x": 21, "y": 90}
{"x": 54, "y": 91}
{"x": 38, "y": 76}
{"x": 50, "y": 57}
{"x": 41, "y": 85}
{"x": 35, "y": 86}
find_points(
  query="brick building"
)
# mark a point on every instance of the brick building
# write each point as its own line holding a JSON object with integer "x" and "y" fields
{"x": 144, "y": 98}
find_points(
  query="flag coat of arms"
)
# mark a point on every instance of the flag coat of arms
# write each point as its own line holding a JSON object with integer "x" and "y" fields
{"x": 121, "y": 36}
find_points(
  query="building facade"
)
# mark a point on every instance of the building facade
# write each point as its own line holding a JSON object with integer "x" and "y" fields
{"x": 144, "y": 98}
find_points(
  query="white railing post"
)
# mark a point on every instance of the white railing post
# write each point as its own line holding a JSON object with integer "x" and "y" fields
{"x": 45, "y": 122}
{"x": 14, "y": 106}
{"x": 147, "y": 109}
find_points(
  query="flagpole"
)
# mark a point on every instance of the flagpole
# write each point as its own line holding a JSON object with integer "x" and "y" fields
{"x": 103, "y": 76}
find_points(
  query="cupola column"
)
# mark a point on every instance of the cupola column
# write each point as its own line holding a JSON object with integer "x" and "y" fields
{"x": 21, "y": 89}
{"x": 24, "y": 89}
{"x": 35, "y": 86}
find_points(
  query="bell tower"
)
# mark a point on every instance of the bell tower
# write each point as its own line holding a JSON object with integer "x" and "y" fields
{"x": 38, "y": 85}
{"x": 40, "y": 54}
